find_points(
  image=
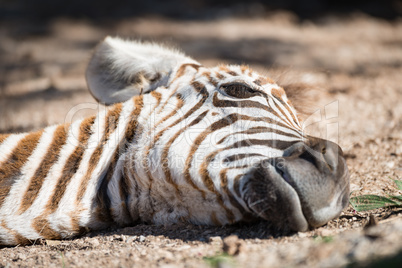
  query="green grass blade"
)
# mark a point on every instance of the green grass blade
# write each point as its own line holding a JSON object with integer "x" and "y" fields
{"x": 397, "y": 198}
{"x": 220, "y": 260}
{"x": 368, "y": 202}
{"x": 398, "y": 184}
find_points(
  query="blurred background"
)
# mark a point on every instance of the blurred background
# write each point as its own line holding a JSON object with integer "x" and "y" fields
{"x": 350, "y": 50}
{"x": 196, "y": 9}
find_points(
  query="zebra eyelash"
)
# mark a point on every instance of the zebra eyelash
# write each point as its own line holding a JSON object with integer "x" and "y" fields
{"x": 239, "y": 90}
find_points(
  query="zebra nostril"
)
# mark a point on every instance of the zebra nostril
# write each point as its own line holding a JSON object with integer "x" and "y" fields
{"x": 309, "y": 158}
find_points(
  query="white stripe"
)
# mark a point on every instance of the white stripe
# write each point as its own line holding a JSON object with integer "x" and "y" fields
{"x": 287, "y": 114}
{"x": 60, "y": 220}
{"x": 104, "y": 162}
{"x": 9, "y": 144}
{"x": 6, "y": 238}
{"x": 49, "y": 183}
{"x": 13, "y": 201}
{"x": 113, "y": 190}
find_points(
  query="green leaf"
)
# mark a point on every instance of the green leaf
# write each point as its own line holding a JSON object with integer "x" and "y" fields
{"x": 324, "y": 239}
{"x": 397, "y": 197}
{"x": 398, "y": 184}
{"x": 368, "y": 202}
{"x": 220, "y": 260}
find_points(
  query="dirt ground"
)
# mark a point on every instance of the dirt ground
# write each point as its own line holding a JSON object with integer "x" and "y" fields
{"x": 354, "y": 66}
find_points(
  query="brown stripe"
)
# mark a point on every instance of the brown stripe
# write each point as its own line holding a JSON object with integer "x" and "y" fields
{"x": 202, "y": 90}
{"x": 124, "y": 186}
{"x": 181, "y": 71}
{"x": 237, "y": 157}
{"x": 227, "y": 103}
{"x": 214, "y": 219}
{"x": 224, "y": 122}
{"x": 211, "y": 80}
{"x": 211, "y": 187}
{"x": 225, "y": 69}
{"x": 42, "y": 226}
{"x": 112, "y": 120}
{"x": 19, "y": 239}
{"x": 263, "y": 81}
{"x": 287, "y": 108}
{"x": 11, "y": 168}
{"x": 291, "y": 121}
{"x": 277, "y": 94}
{"x": 71, "y": 165}
{"x": 207, "y": 180}
{"x": 232, "y": 199}
{"x": 158, "y": 97}
{"x": 249, "y": 104}
{"x": 240, "y": 104}
{"x": 179, "y": 104}
{"x": 161, "y": 109}
{"x": 199, "y": 88}
{"x": 236, "y": 185}
{"x": 133, "y": 124}
{"x": 3, "y": 137}
{"x": 164, "y": 156}
{"x": 244, "y": 143}
{"x": 197, "y": 142}
{"x": 103, "y": 211}
{"x": 52, "y": 155}
{"x": 75, "y": 226}
{"x": 219, "y": 76}
{"x": 255, "y": 130}
{"x": 244, "y": 68}
{"x": 277, "y": 144}
{"x": 257, "y": 82}
{"x": 40, "y": 223}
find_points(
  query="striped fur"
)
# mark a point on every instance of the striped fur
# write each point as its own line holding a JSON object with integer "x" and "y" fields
{"x": 177, "y": 153}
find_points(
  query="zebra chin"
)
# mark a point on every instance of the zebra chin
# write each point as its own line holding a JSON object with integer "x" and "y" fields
{"x": 304, "y": 189}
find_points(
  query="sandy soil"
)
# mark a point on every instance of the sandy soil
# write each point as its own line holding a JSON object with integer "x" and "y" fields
{"x": 354, "y": 66}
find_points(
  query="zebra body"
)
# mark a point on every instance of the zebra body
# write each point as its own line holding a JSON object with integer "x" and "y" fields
{"x": 196, "y": 144}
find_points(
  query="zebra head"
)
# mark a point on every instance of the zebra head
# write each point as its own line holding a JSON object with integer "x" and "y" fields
{"x": 216, "y": 145}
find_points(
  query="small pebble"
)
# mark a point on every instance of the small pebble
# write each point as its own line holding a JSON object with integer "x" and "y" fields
{"x": 325, "y": 232}
{"x": 302, "y": 234}
{"x": 215, "y": 239}
{"x": 232, "y": 245}
{"x": 94, "y": 242}
{"x": 131, "y": 239}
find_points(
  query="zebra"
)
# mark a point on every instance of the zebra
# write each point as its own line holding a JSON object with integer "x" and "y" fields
{"x": 178, "y": 142}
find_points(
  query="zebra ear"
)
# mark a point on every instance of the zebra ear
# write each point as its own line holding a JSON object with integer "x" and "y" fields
{"x": 121, "y": 69}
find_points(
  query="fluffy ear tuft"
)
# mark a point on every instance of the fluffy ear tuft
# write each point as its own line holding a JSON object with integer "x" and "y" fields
{"x": 121, "y": 69}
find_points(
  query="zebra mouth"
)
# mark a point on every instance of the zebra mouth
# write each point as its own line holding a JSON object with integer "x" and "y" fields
{"x": 285, "y": 176}
{"x": 271, "y": 196}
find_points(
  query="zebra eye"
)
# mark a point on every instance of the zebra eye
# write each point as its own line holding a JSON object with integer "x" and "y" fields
{"x": 239, "y": 90}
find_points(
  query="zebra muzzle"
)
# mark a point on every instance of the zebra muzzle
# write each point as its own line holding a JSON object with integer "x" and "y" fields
{"x": 305, "y": 188}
